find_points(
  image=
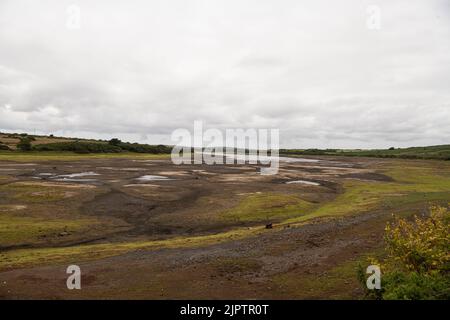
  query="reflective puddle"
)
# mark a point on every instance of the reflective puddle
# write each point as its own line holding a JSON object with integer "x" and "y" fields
{"x": 152, "y": 178}
{"x": 310, "y": 183}
{"x": 72, "y": 177}
{"x": 77, "y": 175}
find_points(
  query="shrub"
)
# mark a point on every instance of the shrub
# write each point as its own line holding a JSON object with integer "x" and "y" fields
{"x": 78, "y": 147}
{"x": 114, "y": 142}
{"x": 144, "y": 148}
{"x": 417, "y": 262}
{"x": 99, "y": 147}
{"x": 416, "y": 286}
{"x": 421, "y": 245}
{"x": 3, "y": 146}
{"x": 24, "y": 144}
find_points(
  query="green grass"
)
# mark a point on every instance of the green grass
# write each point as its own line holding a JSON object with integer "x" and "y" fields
{"x": 16, "y": 230}
{"x": 267, "y": 207}
{"x": 31, "y": 212}
{"x": 32, "y": 193}
{"x": 27, "y": 257}
{"x": 413, "y": 183}
{"x": 70, "y": 156}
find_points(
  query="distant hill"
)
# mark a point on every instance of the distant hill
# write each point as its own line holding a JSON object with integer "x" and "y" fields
{"x": 9, "y": 141}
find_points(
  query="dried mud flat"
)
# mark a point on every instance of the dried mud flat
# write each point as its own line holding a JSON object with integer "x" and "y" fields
{"x": 124, "y": 201}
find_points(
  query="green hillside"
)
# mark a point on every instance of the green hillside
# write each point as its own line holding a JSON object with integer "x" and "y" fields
{"x": 441, "y": 152}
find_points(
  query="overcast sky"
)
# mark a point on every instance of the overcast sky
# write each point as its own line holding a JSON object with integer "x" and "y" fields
{"x": 320, "y": 71}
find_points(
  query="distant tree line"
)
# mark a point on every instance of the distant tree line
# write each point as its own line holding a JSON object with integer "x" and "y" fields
{"x": 441, "y": 152}
{"x": 313, "y": 152}
{"x": 140, "y": 148}
{"x": 78, "y": 147}
{"x": 113, "y": 146}
{"x": 3, "y": 146}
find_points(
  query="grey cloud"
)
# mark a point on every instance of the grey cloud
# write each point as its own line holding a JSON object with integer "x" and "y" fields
{"x": 140, "y": 70}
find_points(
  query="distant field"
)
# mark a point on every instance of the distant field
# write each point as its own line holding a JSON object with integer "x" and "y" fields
{"x": 11, "y": 140}
{"x": 441, "y": 152}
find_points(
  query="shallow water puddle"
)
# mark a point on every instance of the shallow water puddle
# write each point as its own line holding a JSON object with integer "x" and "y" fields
{"x": 150, "y": 177}
{"x": 292, "y": 159}
{"x": 261, "y": 158}
{"x": 77, "y": 175}
{"x": 303, "y": 182}
{"x": 248, "y": 193}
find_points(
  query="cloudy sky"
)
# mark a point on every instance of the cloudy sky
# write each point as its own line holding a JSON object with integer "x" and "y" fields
{"x": 324, "y": 72}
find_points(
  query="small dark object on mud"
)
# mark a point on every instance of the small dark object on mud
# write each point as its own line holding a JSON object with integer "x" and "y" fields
{"x": 312, "y": 243}
{"x": 269, "y": 226}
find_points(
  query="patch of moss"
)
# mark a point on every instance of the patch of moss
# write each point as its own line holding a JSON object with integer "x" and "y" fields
{"x": 16, "y": 230}
{"x": 268, "y": 207}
